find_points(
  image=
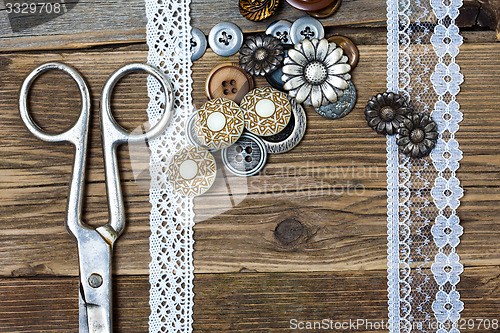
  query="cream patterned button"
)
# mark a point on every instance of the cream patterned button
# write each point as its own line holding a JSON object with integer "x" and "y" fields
{"x": 267, "y": 111}
{"x": 192, "y": 171}
{"x": 219, "y": 123}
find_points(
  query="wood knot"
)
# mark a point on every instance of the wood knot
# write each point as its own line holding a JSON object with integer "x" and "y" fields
{"x": 289, "y": 231}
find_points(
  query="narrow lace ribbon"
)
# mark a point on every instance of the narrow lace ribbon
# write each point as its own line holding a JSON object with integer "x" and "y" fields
{"x": 424, "y": 194}
{"x": 168, "y": 36}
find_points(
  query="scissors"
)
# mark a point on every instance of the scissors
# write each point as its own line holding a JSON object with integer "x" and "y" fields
{"x": 95, "y": 245}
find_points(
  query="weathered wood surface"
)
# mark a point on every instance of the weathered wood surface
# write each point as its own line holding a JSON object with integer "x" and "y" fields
{"x": 240, "y": 302}
{"x": 88, "y": 23}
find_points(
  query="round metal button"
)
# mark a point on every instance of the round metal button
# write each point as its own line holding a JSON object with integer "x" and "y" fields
{"x": 257, "y": 10}
{"x": 281, "y": 30}
{"x": 327, "y": 11}
{"x": 229, "y": 81}
{"x": 198, "y": 44}
{"x": 306, "y": 27}
{"x": 309, "y": 5}
{"x": 191, "y": 171}
{"x": 225, "y": 39}
{"x": 274, "y": 78}
{"x": 246, "y": 157}
{"x": 191, "y": 136}
{"x": 291, "y": 135}
{"x": 219, "y": 123}
{"x": 342, "y": 107}
{"x": 350, "y": 49}
{"x": 267, "y": 111}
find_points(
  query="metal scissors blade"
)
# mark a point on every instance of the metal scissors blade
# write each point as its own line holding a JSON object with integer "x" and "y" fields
{"x": 95, "y": 246}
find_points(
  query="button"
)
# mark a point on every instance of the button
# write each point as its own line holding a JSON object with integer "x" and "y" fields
{"x": 350, "y": 49}
{"x": 327, "y": 11}
{"x": 342, "y": 107}
{"x": 261, "y": 54}
{"x": 191, "y": 171}
{"x": 246, "y": 157}
{"x": 225, "y": 39}
{"x": 191, "y": 136}
{"x": 274, "y": 78}
{"x": 291, "y": 135}
{"x": 309, "y": 5}
{"x": 219, "y": 123}
{"x": 267, "y": 111}
{"x": 257, "y": 10}
{"x": 281, "y": 30}
{"x": 306, "y": 27}
{"x": 230, "y": 81}
{"x": 198, "y": 44}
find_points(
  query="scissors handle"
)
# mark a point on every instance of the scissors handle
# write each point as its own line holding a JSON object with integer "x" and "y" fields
{"x": 113, "y": 135}
{"x": 77, "y": 135}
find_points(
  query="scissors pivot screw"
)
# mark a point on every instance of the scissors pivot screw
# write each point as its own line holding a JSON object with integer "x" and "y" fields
{"x": 95, "y": 280}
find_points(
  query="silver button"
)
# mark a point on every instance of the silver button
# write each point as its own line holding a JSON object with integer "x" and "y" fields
{"x": 306, "y": 27}
{"x": 291, "y": 135}
{"x": 198, "y": 44}
{"x": 246, "y": 157}
{"x": 191, "y": 136}
{"x": 281, "y": 30}
{"x": 225, "y": 39}
{"x": 342, "y": 107}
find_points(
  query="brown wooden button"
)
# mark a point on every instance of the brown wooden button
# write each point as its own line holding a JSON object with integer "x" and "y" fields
{"x": 350, "y": 49}
{"x": 310, "y": 5}
{"x": 327, "y": 11}
{"x": 229, "y": 81}
{"x": 257, "y": 10}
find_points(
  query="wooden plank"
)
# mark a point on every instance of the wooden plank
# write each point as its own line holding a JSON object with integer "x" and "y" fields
{"x": 88, "y": 23}
{"x": 241, "y": 302}
{"x": 338, "y": 223}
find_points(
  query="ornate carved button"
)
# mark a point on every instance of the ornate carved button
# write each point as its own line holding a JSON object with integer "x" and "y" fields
{"x": 229, "y": 81}
{"x": 315, "y": 72}
{"x": 291, "y": 135}
{"x": 219, "y": 123}
{"x": 306, "y": 28}
{"x": 350, "y": 49}
{"x": 281, "y": 30}
{"x": 246, "y": 157}
{"x": 342, "y": 107}
{"x": 225, "y": 39}
{"x": 274, "y": 78}
{"x": 261, "y": 54}
{"x": 198, "y": 44}
{"x": 384, "y": 112}
{"x": 257, "y": 10}
{"x": 327, "y": 11}
{"x": 191, "y": 171}
{"x": 417, "y": 135}
{"x": 267, "y": 111}
{"x": 309, "y": 5}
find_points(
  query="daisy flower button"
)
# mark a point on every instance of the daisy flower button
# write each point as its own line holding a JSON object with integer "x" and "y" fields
{"x": 267, "y": 111}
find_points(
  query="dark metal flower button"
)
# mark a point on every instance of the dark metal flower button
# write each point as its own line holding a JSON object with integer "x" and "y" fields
{"x": 281, "y": 30}
{"x": 257, "y": 10}
{"x": 417, "y": 135}
{"x": 342, "y": 107}
{"x": 246, "y": 157}
{"x": 306, "y": 28}
{"x": 198, "y": 44}
{"x": 261, "y": 54}
{"x": 225, "y": 39}
{"x": 384, "y": 112}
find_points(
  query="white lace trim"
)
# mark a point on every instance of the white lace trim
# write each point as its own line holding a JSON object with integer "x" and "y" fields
{"x": 423, "y": 195}
{"x": 172, "y": 217}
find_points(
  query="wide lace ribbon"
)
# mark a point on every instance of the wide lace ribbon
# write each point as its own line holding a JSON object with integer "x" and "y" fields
{"x": 424, "y": 194}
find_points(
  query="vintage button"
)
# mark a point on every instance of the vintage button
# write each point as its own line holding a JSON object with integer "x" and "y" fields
{"x": 246, "y": 157}
{"x": 229, "y": 81}
{"x": 306, "y": 27}
{"x": 191, "y": 171}
{"x": 219, "y": 123}
{"x": 191, "y": 136}
{"x": 350, "y": 49}
{"x": 309, "y": 5}
{"x": 327, "y": 11}
{"x": 261, "y": 54}
{"x": 257, "y": 10}
{"x": 225, "y": 39}
{"x": 281, "y": 30}
{"x": 342, "y": 107}
{"x": 274, "y": 78}
{"x": 267, "y": 111}
{"x": 291, "y": 135}
{"x": 198, "y": 44}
